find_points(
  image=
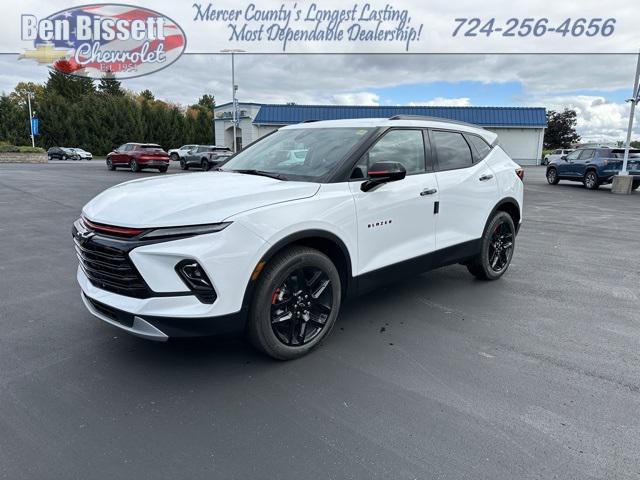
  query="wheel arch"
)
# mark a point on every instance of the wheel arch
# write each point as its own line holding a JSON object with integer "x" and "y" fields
{"x": 324, "y": 241}
{"x": 510, "y": 206}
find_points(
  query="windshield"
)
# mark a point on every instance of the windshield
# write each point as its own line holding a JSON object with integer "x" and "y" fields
{"x": 298, "y": 154}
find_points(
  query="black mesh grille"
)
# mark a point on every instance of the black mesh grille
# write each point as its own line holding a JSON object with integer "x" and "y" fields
{"x": 109, "y": 268}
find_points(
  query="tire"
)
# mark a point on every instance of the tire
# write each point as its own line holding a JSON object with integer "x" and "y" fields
{"x": 552, "y": 176}
{"x": 496, "y": 250}
{"x": 50, "y": 157}
{"x": 591, "y": 180}
{"x": 162, "y": 169}
{"x": 205, "y": 165}
{"x": 174, "y": 157}
{"x": 635, "y": 185}
{"x": 305, "y": 329}
{"x": 110, "y": 165}
{"x": 183, "y": 165}
{"x": 64, "y": 157}
{"x": 133, "y": 165}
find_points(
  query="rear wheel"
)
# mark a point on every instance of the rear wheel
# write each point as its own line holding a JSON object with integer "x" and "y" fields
{"x": 635, "y": 185}
{"x": 591, "y": 180}
{"x": 296, "y": 303}
{"x": 205, "y": 165}
{"x": 552, "y": 176}
{"x": 133, "y": 165}
{"x": 163, "y": 169}
{"x": 110, "y": 165}
{"x": 496, "y": 250}
{"x": 174, "y": 157}
{"x": 64, "y": 157}
{"x": 183, "y": 165}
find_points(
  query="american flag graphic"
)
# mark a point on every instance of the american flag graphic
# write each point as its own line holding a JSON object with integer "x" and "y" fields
{"x": 69, "y": 61}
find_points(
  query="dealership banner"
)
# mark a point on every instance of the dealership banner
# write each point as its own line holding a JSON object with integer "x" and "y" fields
{"x": 130, "y": 40}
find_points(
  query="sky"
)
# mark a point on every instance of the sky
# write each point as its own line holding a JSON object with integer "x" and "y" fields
{"x": 596, "y": 86}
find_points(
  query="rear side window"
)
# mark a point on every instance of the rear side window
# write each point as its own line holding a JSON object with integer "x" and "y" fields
{"x": 479, "y": 147}
{"x": 452, "y": 149}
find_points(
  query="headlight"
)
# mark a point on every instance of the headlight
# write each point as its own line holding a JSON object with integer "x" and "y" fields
{"x": 186, "y": 231}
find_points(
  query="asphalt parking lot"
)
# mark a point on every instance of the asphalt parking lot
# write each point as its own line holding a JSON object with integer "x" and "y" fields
{"x": 441, "y": 376}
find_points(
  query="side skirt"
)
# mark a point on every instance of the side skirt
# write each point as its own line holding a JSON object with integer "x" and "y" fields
{"x": 414, "y": 266}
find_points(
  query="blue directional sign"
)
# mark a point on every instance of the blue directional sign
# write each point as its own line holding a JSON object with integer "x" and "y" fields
{"x": 35, "y": 126}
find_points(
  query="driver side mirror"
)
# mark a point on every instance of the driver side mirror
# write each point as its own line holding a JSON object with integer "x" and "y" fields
{"x": 383, "y": 172}
{"x": 563, "y": 157}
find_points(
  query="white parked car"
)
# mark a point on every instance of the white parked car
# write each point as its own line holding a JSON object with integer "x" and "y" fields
{"x": 177, "y": 154}
{"x": 556, "y": 155}
{"x": 272, "y": 247}
{"x": 83, "y": 154}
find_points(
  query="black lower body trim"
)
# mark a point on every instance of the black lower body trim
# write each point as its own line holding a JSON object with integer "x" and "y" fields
{"x": 447, "y": 256}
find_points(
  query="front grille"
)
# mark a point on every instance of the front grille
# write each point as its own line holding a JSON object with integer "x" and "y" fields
{"x": 109, "y": 267}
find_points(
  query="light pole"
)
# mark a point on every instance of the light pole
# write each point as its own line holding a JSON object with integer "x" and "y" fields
{"x": 634, "y": 100}
{"x": 234, "y": 89}
{"x": 33, "y": 143}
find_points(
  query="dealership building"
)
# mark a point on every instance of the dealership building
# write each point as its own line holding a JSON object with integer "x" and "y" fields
{"x": 520, "y": 129}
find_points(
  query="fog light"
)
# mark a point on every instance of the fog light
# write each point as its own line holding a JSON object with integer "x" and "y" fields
{"x": 194, "y": 276}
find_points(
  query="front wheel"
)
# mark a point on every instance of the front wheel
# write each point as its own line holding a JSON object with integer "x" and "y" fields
{"x": 110, "y": 165}
{"x": 635, "y": 185}
{"x": 133, "y": 165}
{"x": 591, "y": 180}
{"x": 552, "y": 176}
{"x": 296, "y": 303}
{"x": 64, "y": 157}
{"x": 174, "y": 157}
{"x": 497, "y": 247}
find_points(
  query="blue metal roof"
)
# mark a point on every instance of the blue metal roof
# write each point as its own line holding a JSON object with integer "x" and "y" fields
{"x": 483, "y": 116}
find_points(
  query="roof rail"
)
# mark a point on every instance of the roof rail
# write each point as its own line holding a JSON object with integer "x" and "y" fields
{"x": 310, "y": 120}
{"x": 433, "y": 119}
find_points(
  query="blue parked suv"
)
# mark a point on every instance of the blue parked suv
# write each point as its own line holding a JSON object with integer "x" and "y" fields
{"x": 593, "y": 166}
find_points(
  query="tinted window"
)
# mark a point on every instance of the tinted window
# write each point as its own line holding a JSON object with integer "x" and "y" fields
{"x": 402, "y": 146}
{"x": 480, "y": 148}
{"x": 558, "y": 152}
{"x": 453, "y": 150}
{"x": 573, "y": 155}
{"x": 128, "y": 147}
{"x": 586, "y": 154}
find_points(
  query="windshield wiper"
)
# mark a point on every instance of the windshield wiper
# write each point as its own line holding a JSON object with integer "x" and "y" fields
{"x": 262, "y": 173}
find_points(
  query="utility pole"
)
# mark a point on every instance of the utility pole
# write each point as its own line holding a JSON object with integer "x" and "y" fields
{"x": 33, "y": 143}
{"x": 634, "y": 100}
{"x": 234, "y": 89}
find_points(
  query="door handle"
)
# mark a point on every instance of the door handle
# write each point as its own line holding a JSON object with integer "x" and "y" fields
{"x": 428, "y": 191}
{"x": 484, "y": 178}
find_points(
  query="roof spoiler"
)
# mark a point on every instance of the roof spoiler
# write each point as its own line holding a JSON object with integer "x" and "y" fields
{"x": 433, "y": 119}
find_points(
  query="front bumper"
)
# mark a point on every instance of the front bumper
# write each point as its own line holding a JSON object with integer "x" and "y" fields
{"x": 228, "y": 257}
{"x": 160, "y": 329}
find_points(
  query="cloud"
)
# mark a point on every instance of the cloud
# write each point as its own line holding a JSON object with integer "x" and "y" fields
{"x": 599, "y": 120}
{"x": 444, "y": 102}
{"x": 356, "y": 98}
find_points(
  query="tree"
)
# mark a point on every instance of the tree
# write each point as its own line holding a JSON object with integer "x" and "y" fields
{"x": 67, "y": 85}
{"x": 147, "y": 95}
{"x": 207, "y": 101}
{"x": 561, "y": 129}
{"x": 109, "y": 85}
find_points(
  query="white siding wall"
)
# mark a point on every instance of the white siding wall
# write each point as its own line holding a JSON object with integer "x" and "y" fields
{"x": 524, "y": 145}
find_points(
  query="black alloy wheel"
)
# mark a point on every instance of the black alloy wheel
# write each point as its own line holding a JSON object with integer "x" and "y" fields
{"x": 295, "y": 303}
{"x": 500, "y": 246}
{"x": 301, "y": 306}
{"x": 552, "y": 176}
{"x": 496, "y": 249}
{"x": 183, "y": 165}
{"x": 205, "y": 165}
{"x": 110, "y": 165}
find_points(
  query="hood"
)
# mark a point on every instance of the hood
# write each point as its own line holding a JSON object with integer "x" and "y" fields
{"x": 191, "y": 199}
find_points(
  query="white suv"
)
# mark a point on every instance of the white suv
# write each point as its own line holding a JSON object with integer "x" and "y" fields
{"x": 273, "y": 246}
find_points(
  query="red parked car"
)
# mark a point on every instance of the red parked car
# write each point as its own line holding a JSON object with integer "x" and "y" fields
{"x": 136, "y": 156}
